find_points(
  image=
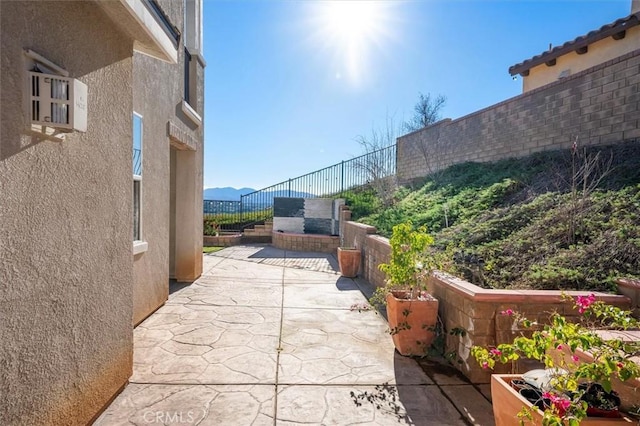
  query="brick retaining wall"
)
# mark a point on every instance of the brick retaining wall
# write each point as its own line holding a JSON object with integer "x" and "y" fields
{"x": 465, "y": 305}
{"x": 600, "y": 105}
{"x": 305, "y": 242}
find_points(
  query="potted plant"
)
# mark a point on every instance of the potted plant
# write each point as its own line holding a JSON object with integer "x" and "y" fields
{"x": 411, "y": 311}
{"x": 349, "y": 261}
{"x": 577, "y": 388}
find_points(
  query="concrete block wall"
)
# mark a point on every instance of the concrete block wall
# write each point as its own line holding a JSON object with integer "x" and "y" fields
{"x": 305, "y": 242}
{"x": 600, "y": 106}
{"x": 478, "y": 311}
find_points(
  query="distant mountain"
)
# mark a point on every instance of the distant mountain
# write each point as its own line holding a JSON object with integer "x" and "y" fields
{"x": 225, "y": 194}
{"x": 286, "y": 193}
{"x": 232, "y": 194}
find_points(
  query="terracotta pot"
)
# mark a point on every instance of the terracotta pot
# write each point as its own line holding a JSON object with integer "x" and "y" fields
{"x": 349, "y": 261}
{"x": 507, "y": 403}
{"x": 412, "y": 322}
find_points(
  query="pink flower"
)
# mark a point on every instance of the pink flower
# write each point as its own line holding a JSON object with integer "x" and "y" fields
{"x": 583, "y": 302}
{"x": 561, "y": 404}
{"x": 508, "y": 312}
{"x": 485, "y": 365}
{"x": 495, "y": 352}
{"x": 575, "y": 358}
{"x": 620, "y": 365}
{"x": 559, "y": 347}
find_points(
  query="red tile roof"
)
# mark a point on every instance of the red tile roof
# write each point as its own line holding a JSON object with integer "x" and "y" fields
{"x": 615, "y": 29}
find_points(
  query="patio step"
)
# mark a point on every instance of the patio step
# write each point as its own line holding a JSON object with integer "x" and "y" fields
{"x": 260, "y": 230}
{"x": 258, "y": 234}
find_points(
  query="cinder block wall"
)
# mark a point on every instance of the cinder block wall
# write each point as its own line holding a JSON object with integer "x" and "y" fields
{"x": 600, "y": 106}
{"x": 305, "y": 242}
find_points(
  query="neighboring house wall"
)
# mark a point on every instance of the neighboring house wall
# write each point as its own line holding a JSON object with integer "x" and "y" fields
{"x": 600, "y": 105}
{"x": 65, "y": 223}
{"x": 599, "y": 52}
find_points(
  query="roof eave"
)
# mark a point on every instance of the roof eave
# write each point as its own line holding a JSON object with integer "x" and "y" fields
{"x": 611, "y": 30}
{"x": 150, "y": 29}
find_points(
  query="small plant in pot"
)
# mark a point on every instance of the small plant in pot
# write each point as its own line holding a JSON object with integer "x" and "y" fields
{"x": 411, "y": 311}
{"x": 586, "y": 364}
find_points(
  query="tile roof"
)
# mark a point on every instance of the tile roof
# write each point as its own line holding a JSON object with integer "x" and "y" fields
{"x": 615, "y": 28}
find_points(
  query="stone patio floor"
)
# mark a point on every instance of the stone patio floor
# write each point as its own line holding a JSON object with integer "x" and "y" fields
{"x": 268, "y": 337}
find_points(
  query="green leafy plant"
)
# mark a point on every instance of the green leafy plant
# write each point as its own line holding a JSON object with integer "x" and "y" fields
{"x": 211, "y": 227}
{"x": 409, "y": 265}
{"x": 557, "y": 345}
{"x": 513, "y": 213}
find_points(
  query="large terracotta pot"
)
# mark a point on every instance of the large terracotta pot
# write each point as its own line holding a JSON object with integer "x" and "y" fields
{"x": 412, "y": 322}
{"x": 507, "y": 403}
{"x": 349, "y": 261}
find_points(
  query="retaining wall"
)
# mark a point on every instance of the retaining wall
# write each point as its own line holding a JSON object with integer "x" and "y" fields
{"x": 465, "y": 305}
{"x": 305, "y": 242}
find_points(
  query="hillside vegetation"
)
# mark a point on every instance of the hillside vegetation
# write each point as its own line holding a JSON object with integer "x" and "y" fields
{"x": 555, "y": 220}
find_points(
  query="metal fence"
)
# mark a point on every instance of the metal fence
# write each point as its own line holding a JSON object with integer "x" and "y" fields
{"x": 257, "y": 207}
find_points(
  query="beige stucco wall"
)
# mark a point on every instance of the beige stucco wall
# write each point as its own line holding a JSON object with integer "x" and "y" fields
{"x": 598, "y": 53}
{"x": 158, "y": 89}
{"x": 65, "y": 223}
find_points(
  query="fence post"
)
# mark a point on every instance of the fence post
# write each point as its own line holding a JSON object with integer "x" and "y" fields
{"x": 289, "y": 187}
{"x": 342, "y": 177}
{"x": 241, "y": 211}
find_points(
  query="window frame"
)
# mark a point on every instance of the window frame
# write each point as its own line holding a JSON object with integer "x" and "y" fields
{"x": 191, "y": 51}
{"x": 139, "y": 244}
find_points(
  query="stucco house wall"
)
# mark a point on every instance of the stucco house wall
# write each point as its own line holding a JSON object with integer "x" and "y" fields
{"x": 158, "y": 92}
{"x": 71, "y": 287}
{"x": 65, "y": 228}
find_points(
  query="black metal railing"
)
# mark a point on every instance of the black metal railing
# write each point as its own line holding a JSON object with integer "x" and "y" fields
{"x": 221, "y": 216}
{"x": 257, "y": 207}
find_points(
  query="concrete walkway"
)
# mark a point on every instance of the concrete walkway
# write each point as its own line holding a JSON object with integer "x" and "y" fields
{"x": 267, "y": 337}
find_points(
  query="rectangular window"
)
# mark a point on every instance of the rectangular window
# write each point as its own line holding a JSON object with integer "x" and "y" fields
{"x": 187, "y": 78}
{"x": 137, "y": 177}
{"x": 192, "y": 44}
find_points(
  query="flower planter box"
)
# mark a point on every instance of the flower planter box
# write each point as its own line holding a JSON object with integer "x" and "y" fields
{"x": 507, "y": 403}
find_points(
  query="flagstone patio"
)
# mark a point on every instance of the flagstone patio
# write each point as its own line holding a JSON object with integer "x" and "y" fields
{"x": 268, "y": 337}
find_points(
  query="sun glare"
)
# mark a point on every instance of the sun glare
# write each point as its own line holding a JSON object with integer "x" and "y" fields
{"x": 350, "y": 21}
{"x": 351, "y": 30}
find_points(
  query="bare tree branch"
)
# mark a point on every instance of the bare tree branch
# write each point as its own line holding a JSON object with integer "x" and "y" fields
{"x": 426, "y": 112}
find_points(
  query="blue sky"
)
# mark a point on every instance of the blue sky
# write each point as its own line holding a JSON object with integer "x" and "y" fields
{"x": 291, "y": 84}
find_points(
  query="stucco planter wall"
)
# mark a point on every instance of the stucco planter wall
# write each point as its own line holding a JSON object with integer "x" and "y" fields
{"x": 468, "y": 306}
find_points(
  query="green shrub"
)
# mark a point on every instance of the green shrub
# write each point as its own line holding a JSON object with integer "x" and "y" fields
{"x": 514, "y": 214}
